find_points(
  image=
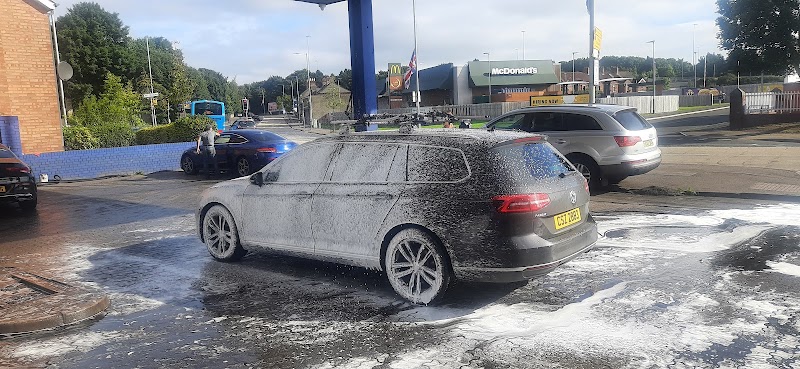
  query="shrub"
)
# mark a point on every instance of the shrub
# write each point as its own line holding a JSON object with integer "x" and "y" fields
{"x": 79, "y": 138}
{"x": 183, "y": 130}
{"x": 113, "y": 134}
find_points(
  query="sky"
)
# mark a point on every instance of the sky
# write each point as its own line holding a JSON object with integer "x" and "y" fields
{"x": 251, "y": 40}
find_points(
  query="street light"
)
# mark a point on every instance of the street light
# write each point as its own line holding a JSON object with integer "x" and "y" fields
{"x": 310, "y": 90}
{"x": 489, "y": 59}
{"x": 654, "y": 73}
{"x": 694, "y": 58}
{"x": 573, "y": 70}
{"x": 523, "y": 45}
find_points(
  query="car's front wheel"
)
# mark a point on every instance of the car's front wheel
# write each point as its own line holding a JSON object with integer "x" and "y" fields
{"x": 416, "y": 266}
{"x": 188, "y": 165}
{"x": 221, "y": 235}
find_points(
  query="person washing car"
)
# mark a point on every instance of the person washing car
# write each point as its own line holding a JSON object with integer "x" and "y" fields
{"x": 205, "y": 140}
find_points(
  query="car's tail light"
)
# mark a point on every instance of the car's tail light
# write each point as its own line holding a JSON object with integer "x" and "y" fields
{"x": 526, "y": 203}
{"x": 267, "y": 149}
{"x": 19, "y": 169}
{"x": 627, "y": 141}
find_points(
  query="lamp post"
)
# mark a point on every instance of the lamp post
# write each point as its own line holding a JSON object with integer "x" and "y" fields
{"x": 489, "y": 59}
{"x": 654, "y": 73}
{"x": 573, "y": 71}
{"x": 310, "y": 90}
{"x": 523, "y": 45}
{"x": 694, "y": 58}
{"x": 149, "y": 66}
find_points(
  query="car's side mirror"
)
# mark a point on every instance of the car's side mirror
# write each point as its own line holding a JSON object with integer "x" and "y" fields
{"x": 257, "y": 179}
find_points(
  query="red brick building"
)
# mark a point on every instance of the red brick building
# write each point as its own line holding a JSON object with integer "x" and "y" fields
{"x": 28, "y": 88}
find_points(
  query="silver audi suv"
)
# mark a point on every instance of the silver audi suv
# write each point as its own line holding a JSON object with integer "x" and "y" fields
{"x": 607, "y": 143}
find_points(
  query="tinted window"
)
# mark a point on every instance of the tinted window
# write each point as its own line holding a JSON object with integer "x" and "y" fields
{"x": 515, "y": 121}
{"x": 436, "y": 164}
{"x": 6, "y": 154}
{"x": 548, "y": 121}
{"x": 265, "y": 136}
{"x": 529, "y": 161}
{"x": 306, "y": 163}
{"x": 363, "y": 162}
{"x": 580, "y": 122}
{"x": 631, "y": 120}
{"x": 208, "y": 108}
{"x": 235, "y": 139}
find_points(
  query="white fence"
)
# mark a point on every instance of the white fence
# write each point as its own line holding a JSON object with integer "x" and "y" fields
{"x": 772, "y": 102}
{"x": 644, "y": 104}
{"x": 472, "y": 110}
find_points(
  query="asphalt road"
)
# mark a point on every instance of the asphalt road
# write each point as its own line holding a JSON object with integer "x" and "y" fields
{"x": 673, "y": 282}
{"x": 670, "y": 131}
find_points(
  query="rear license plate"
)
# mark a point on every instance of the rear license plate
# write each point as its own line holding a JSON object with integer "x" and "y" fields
{"x": 2, "y": 188}
{"x": 567, "y": 219}
{"x": 648, "y": 143}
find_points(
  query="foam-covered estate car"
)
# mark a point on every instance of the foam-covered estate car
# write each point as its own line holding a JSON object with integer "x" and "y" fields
{"x": 425, "y": 207}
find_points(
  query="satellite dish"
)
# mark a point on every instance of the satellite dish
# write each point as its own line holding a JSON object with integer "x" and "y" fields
{"x": 64, "y": 71}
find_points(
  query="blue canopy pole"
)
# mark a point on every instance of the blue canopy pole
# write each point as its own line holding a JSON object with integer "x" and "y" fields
{"x": 362, "y": 58}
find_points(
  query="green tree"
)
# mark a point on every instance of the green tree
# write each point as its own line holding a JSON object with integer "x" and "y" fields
{"x": 761, "y": 35}
{"x": 346, "y": 79}
{"x": 94, "y": 42}
{"x": 182, "y": 87}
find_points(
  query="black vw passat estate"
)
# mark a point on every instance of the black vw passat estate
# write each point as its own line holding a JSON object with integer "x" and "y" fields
{"x": 426, "y": 207}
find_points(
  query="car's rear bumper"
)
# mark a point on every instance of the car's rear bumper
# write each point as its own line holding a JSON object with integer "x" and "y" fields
{"x": 19, "y": 190}
{"x": 534, "y": 261}
{"x": 630, "y": 168}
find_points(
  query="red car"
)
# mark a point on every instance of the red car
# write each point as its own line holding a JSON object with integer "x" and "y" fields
{"x": 17, "y": 183}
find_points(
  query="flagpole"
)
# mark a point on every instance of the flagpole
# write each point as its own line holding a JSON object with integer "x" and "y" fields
{"x": 416, "y": 55}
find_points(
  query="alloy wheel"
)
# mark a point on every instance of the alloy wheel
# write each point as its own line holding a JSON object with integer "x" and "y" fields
{"x": 416, "y": 270}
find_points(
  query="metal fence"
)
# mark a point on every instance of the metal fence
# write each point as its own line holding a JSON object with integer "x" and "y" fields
{"x": 471, "y": 110}
{"x": 772, "y": 102}
{"x": 695, "y": 100}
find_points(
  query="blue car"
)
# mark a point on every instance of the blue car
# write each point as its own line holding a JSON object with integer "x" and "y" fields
{"x": 241, "y": 152}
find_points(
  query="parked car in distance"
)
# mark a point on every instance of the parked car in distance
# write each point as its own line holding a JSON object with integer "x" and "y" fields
{"x": 243, "y": 151}
{"x": 17, "y": 183}
{"x": 607, "y": 143}
{"x": 243, "y": 123}
{"x": 425, "y": 207}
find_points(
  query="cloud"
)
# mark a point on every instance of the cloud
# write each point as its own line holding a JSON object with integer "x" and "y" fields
{"x": 255, "y": 39}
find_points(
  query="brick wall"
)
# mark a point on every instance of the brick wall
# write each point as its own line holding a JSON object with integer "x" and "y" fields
{"x": 27, "y": 76}
{"x": 83, "y": 164}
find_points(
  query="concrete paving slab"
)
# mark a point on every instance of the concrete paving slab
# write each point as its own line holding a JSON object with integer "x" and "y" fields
{"x": 29, "y": 302}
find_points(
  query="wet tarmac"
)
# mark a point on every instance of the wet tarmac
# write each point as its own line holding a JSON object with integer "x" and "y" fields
{"x": 699, "y": 283}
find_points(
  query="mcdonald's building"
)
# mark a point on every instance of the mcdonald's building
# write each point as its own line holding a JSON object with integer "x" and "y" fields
{"x": 474, "y": 83}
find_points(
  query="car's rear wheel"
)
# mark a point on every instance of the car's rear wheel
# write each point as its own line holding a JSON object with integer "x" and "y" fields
{"x": 221, "y": 235}
{"x": 588, "y": 168}
{"x": 243, "y": 167}
{"x": 416, "y": 266}
{"x": 188, "y": 165}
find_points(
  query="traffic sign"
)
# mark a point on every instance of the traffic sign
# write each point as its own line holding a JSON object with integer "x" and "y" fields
{"x": 151, "y": 95}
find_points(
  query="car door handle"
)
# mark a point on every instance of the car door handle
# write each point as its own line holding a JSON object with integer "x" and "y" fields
{"x": 560, "y": 141}
{"x": 303, "y": 195}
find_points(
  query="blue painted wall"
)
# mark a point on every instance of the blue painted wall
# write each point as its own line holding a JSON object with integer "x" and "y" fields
{"x": 84, "y": 164}
{"x": 9, "y": 134}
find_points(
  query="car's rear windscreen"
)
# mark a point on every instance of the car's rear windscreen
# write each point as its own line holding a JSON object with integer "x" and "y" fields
{"x": 631, "y": 120}
{"x": 529, "y": 162}
{"x": 265, "y": 136}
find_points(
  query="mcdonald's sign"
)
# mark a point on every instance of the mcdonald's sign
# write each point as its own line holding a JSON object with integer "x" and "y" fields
{"x": 395, "y": 76}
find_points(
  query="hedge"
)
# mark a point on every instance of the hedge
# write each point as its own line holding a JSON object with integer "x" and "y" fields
{"x": 183, "y": 130}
